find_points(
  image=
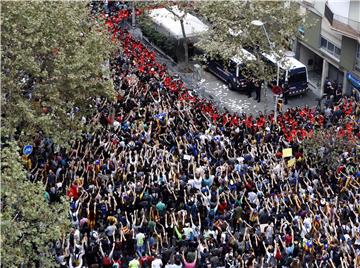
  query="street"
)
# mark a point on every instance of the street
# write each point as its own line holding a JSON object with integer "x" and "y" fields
{"x": 238, "y": 102}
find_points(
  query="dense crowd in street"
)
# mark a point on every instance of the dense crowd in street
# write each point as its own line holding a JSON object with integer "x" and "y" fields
{"x": 163, "y": 180}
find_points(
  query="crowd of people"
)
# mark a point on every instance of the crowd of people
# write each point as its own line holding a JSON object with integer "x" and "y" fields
{"x": 333, "y": 89}
{"x": 164, "y": 180}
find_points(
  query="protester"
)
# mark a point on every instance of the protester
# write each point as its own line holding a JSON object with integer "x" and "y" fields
{"x": 161, "y": 179}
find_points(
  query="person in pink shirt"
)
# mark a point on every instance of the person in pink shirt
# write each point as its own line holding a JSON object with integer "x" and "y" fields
{"x": 189, "y": 264}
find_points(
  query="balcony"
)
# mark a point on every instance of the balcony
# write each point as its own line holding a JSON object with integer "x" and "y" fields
{"x": 343, "y": 25}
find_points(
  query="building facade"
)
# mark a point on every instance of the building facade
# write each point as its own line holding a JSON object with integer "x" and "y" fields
{"x": 329, "y": 43}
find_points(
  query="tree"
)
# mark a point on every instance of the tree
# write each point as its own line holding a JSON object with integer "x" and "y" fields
{"x": 231, "y": 30}
{"x": 182, "y": 9}
{"x": 329, "y": 145}
{"x": 28, "y": 222}
{"x": 53, "y": 59}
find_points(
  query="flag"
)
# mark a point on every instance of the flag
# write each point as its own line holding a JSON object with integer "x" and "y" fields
{"x": 160, "y": 116}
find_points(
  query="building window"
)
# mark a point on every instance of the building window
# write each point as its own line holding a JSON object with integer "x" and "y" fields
{"x": 330, "y": 47}
{"x": 337, "y": 51}
{"x": 357, "y": 62}
{"x": 323, "y": 42}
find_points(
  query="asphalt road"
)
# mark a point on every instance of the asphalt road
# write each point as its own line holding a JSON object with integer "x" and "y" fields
{"x": 239, "y": 102}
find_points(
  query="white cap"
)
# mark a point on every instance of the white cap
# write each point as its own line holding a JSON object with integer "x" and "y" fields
{"x": 240, "y": 159}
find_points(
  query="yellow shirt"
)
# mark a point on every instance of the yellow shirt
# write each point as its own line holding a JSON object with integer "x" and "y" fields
{"x": 134, "y": 264}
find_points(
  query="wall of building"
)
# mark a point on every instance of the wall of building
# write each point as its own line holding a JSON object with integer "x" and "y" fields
{"x": 312, "y": 30}
{"x": 335, "y": 74}
{"x": 329, "y": 34}
{"x": 320, "y": 6}
{"x": 341, "y": 8}
{"x": 307, "y": 57}
{"x": 354, "y": 11}
{"x": 308, "y": 48}
{"x": 348, "y": 52}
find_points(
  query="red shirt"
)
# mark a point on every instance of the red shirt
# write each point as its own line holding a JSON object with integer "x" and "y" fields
{"x": 222, "y": 206}
{"x": 146, "y": 260}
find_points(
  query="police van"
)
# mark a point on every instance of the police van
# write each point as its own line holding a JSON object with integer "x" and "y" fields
{"x": 292, "y": 71}
{"x": 231, "y": 72}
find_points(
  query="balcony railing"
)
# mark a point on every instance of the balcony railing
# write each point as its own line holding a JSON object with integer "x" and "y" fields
{"x": 342, "y": 24}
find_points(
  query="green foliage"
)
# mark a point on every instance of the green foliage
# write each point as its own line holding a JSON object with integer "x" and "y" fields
{"x": 164, "y": 42}
{"x": 28, "y": 222}
{"x": 281, "y": 19}
{"x": 185, "y": 7}
{"x": 329, "y": 146}
{"x": 52, "y": 61}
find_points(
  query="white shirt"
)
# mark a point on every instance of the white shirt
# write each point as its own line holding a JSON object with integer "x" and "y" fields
{"x": 306, "y": 227}
{"x": 197, "y": 183}
{"x": 173, "y": 266}
{"x": 252, "y": 197}
{"x": 110, "y": 230}
{"x": 187, "y": 232}
{"x": 157, "y": 263}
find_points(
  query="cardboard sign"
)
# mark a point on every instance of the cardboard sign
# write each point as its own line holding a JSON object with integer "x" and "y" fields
{"x": 187, "y": 157}
{"x": 287, "y": 152}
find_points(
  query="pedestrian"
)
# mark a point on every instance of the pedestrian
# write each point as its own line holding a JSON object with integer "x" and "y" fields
{"x": 338, "y": 93}
{"x": 249, "y": 87}
{"x": 326, "y": 83}
{"x": 286, "y": 92}
{"x": 257, "y": 86}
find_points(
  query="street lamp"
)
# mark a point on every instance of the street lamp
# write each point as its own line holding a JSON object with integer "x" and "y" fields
{"x": 133, "y": 15}
{"x": 259, "y": 23}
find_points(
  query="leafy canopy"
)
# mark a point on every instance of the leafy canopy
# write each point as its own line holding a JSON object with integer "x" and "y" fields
{"x": 231, "y": 29}
{"x": 28, "y": 222}
{"x": 53, "y": 57}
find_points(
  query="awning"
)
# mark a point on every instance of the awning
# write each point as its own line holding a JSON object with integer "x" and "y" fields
{"x": 355, "y": 81}
{"x": 166, "y": 19}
